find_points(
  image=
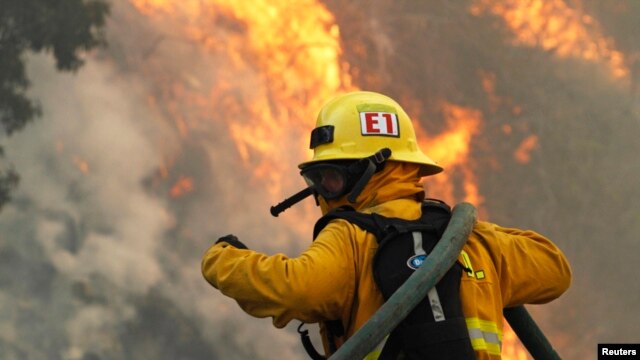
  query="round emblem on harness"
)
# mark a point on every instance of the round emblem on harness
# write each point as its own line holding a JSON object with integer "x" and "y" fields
{"x": 416, "y": 261}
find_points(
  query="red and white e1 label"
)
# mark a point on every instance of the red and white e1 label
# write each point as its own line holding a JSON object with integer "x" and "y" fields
{"x": 379, "y": 123}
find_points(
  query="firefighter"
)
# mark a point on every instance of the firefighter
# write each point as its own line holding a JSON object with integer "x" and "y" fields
{"x": 332, "y": 280}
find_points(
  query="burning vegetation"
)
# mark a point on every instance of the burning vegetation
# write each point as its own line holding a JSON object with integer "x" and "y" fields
{"x": 531, "y": 108}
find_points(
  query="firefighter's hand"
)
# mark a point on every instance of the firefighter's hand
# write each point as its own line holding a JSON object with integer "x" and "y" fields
{"x": 233, "y": 241}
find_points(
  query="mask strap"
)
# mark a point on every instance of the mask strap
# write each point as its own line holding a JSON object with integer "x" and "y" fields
{"x": 372, "y": 164}
{"x": 362, "y": 182}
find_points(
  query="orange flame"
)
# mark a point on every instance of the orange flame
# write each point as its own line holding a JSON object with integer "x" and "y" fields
{"x": 183, "y": 186}
{"x": 290, "y": 53}
{"x": 512, "y": 349}
{"x": 451, "y": 150}
{"x": 554, "y": 26}
{"x": 523, "y": 153}
{"x": 81, "y": 164}
{"x": 295, "y": 51}
{"x": 488, "y": 81}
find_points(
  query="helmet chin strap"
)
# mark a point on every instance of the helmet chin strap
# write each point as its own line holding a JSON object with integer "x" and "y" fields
{"x": 371, "y": 164}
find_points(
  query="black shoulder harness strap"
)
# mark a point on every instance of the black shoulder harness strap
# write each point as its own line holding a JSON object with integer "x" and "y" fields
{"x": 436, "y": 218}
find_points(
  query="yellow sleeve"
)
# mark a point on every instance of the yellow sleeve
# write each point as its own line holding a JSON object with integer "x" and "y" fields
{"x": 313, "y": 287}
{"x": 531, "y": 268}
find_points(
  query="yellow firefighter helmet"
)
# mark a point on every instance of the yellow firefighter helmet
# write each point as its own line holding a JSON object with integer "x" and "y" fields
{"x": 358, "y": 124}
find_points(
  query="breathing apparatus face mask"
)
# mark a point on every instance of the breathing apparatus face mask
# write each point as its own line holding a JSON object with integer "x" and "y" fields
{"x": 330, "y": 180}
{"x": 334, "y": 179}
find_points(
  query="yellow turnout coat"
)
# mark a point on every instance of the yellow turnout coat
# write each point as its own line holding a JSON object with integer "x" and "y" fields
{"x": 333, "y": 278}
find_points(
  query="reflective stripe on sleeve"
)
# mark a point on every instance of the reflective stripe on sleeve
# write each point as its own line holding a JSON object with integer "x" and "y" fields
{"x": 485, "y": 336}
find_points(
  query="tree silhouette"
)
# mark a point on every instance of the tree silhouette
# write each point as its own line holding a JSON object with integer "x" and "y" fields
{"x": 66, "y": 28}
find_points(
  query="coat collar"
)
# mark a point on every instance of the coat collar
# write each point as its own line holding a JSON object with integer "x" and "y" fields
{"x": 396, "y": 181}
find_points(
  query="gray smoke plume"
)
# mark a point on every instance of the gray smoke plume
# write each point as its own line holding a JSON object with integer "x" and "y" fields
{"x": 94, "y": 263}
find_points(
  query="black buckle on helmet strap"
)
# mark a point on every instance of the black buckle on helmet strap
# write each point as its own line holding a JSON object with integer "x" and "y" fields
{"x": 321, "y": 135}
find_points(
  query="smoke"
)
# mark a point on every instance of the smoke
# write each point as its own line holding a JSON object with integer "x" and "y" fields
{"x": 97, "y": 261}
{"x": 89, "y": 124}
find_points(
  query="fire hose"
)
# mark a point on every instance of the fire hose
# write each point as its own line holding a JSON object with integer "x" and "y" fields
{"x": 407, "y": 297}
